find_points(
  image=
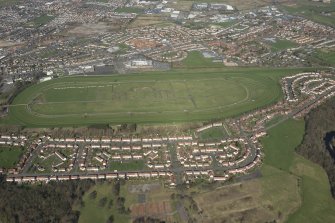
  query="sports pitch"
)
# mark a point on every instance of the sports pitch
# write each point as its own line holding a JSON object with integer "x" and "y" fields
{"x": 174, "y": 96}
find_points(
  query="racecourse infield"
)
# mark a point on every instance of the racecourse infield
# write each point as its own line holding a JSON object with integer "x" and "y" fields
{"x": 154, "y": 97}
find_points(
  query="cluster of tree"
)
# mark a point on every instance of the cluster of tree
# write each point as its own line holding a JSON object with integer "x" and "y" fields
{"x": 102, "y": 202}
{"x": 50, "y": 202}
{"x": 320, "y": 123}
{"x": 110, "y": 219}
{"x": 114, "y": 129}
{"x": 189, "y": 204}
{"x": 192, "y": 205}
{"x": 96, "y": 130}
{"x": 147, "y": 220}
{"x": 119, "y": 201}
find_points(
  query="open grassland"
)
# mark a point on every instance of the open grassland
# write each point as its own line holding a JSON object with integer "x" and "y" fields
{"x": 128, "y": 166}
{"x": 9, "y": 156}
{"x": 282, "y": 44}
{"x": 216, "y": 133}
{"x": 258, "y": 200}
{"x": 92, "y": 211}
{"x": 142, "y": 197}
{"x": 280, "y": 144}
{"x": 8, "y": 2}
{"x": 325, "y": 56}
{"x": 175, "y": 96}
{"x": 42, "y": 20}
{"x": 147, "y": 20}
{"x": 317, "y": 204}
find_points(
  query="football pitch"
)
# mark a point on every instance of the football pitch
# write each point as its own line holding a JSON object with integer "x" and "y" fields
{"x": 175, "y": 96}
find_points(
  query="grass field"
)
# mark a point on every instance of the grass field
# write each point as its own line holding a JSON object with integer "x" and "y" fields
{"x": 257, "y": 200}
{"x": 175, "y": 96}
{"x": 8, "y": 2}
{"x": 42, "y": 20}
{"x": 226, "y": 24}
{"x": 92, "y": 212}
{"x": 195, "y": 59}
{"x": 279, "y": 146}
{"x": 216, "y": 133}
{"x": 317, "y": 204}
{"x": 328, "y": 57}
{"x": 282, "y": 45}
{"x": 147, "y": 20}
{"x": 9, "y": 156}
{"x": 128, "y": 166}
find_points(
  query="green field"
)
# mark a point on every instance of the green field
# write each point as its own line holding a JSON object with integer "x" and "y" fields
{"x": 8, "y": 2}
{"x": 42, "y": 20}
{"x": 215, "y": 133}
{"x": 328, "y": 57}
{"x": 175, "y": 96}
{"x": 92, "y": 212}
{"x": 128, "y": 166}
{"x": 195, "y": 59}
{"x": 282, "y": 44}
{"x": 312, "y": 184}
{"x": 279, "y": 146}
{"x": 9, "y": 156}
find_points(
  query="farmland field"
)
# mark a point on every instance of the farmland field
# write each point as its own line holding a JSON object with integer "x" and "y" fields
{"x": 176, "y": 96}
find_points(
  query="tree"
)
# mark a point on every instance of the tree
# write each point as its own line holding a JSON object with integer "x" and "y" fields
{"x": 93, "y": 195}
{"x": 110, "y": 204}
{"x": 102, "y": 202}
{"x": 116, "y": 189}
{"x": 110, "y": 219}
{"x": 315, "y": 145}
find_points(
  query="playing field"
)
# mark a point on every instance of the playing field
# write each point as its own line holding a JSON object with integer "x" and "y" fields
{"x": 10, "y": 156}
{"x": 145, "y": 98}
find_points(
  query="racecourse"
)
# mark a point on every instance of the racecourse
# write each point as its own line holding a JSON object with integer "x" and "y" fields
{"x": 174, "y": 96}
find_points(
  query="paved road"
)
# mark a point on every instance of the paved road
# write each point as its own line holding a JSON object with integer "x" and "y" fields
{"x": 30, "y": 159}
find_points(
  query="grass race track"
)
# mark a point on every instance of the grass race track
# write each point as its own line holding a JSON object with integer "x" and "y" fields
{"x": 175, "y": 96}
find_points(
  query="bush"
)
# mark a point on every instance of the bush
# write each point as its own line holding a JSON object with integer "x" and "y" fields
{"x": 102, "y": 202}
